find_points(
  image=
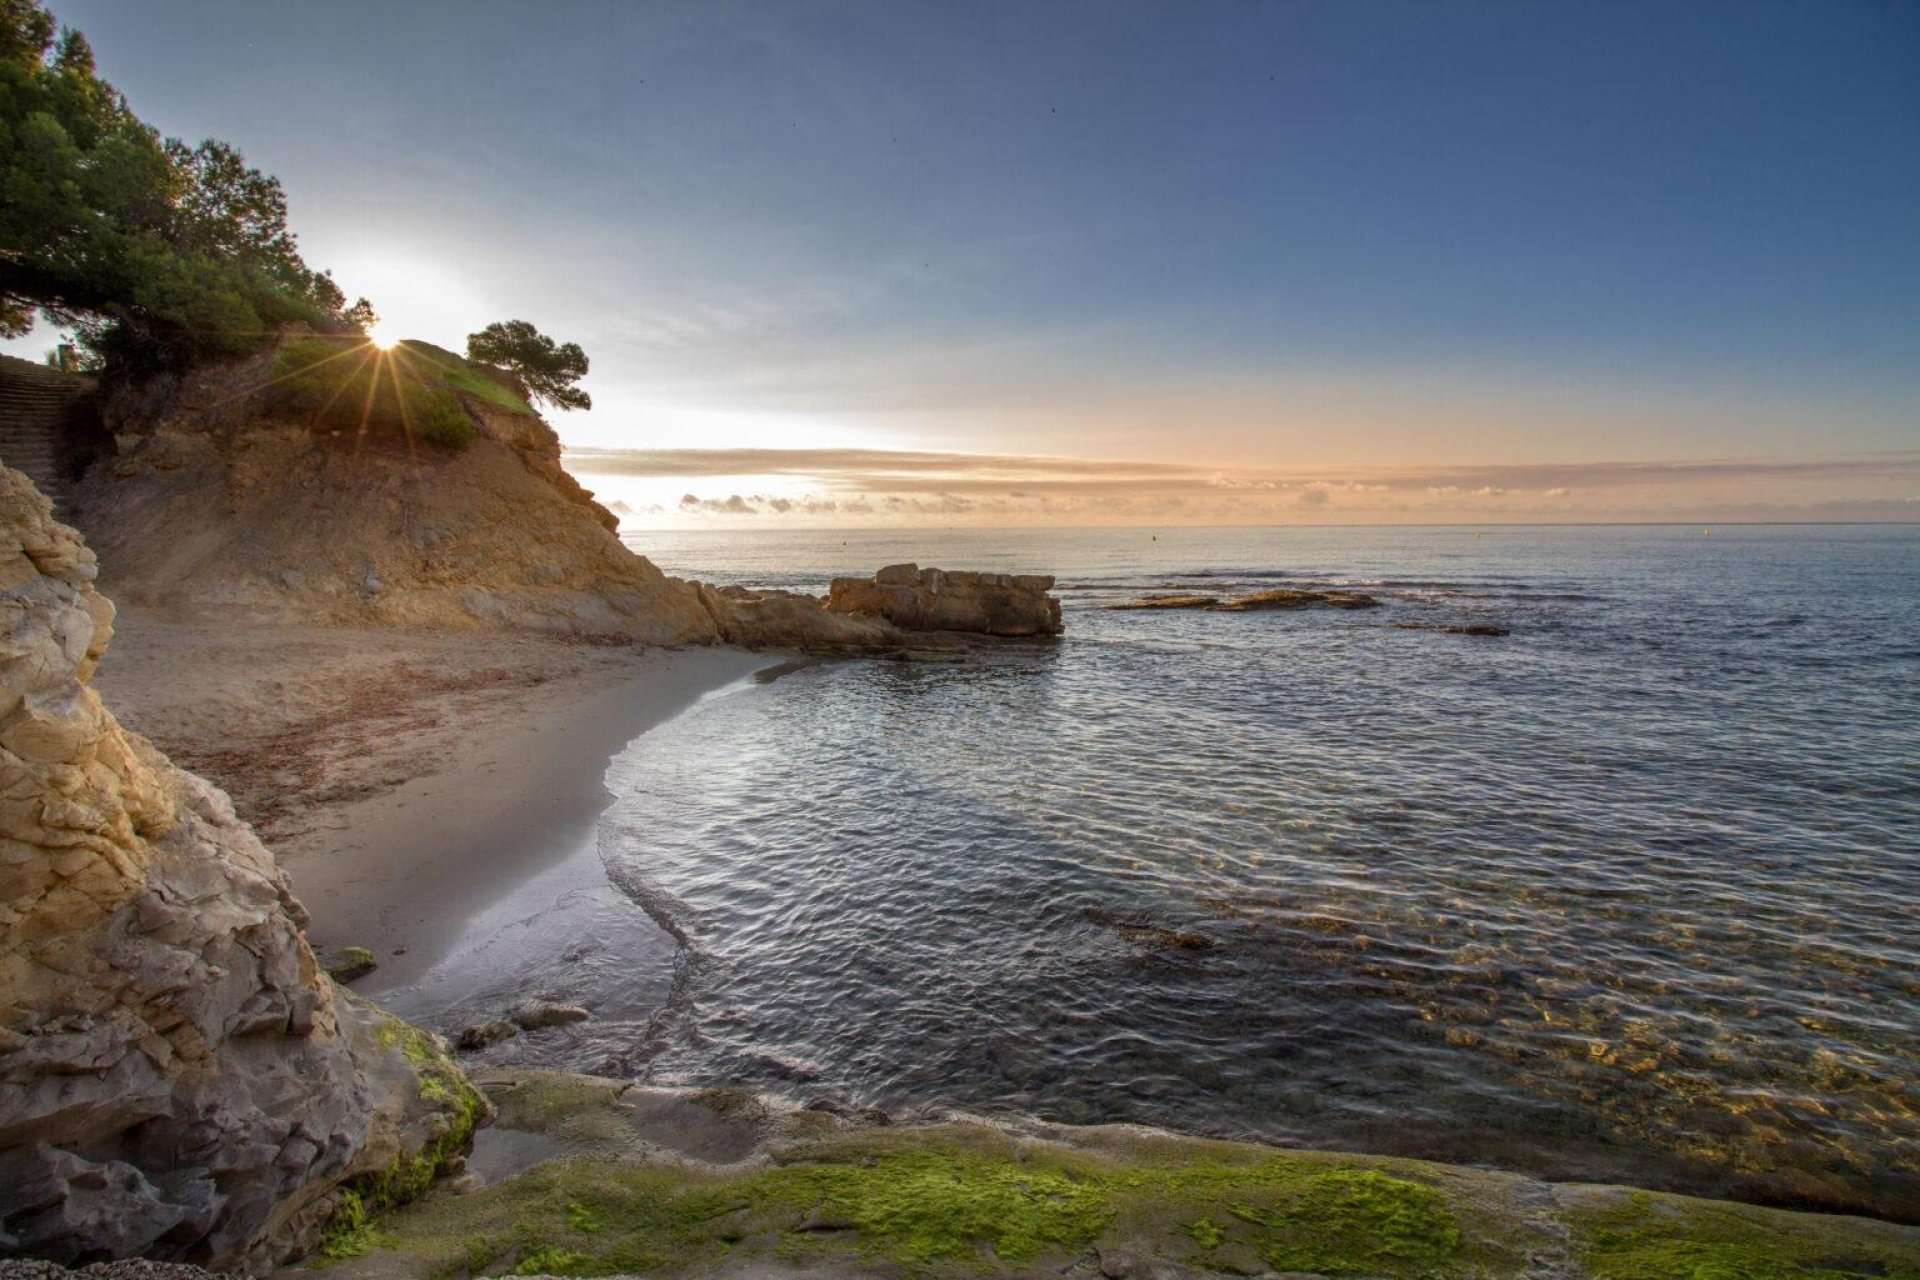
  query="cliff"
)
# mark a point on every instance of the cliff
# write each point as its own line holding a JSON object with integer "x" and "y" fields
{"x": 276, "y": 485}
{"x": 177, "y": 1077}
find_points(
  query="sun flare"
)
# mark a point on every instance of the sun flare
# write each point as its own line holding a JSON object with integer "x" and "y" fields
{"x": 379, "y": 337}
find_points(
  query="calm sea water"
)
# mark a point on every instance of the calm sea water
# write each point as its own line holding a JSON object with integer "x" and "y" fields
{"x": 1632, "y": 892}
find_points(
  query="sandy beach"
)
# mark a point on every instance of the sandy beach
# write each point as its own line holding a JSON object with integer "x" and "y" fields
{"x": 409, "y": 781}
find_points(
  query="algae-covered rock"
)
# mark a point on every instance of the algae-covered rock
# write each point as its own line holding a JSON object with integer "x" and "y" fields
{"x": 608, "y": 1181}
{"x": 350, "y": 964}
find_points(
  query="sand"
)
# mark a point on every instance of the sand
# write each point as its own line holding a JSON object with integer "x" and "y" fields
{"x": 412, "y": 783}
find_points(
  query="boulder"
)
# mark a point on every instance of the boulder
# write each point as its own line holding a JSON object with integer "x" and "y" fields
{"x": 534, "y": 1015}
{"x": 484, "y": 1034}
{"x": 178, "y": 1078}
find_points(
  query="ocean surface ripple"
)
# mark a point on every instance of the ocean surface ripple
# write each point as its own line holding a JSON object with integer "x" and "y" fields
{"x": 1627, "y": 893}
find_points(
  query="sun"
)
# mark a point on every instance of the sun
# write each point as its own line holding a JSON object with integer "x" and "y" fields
{"x": 379, "y": 337}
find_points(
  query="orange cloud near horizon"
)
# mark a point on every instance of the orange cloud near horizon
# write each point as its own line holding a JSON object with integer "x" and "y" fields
{"x": 876, "y": 487}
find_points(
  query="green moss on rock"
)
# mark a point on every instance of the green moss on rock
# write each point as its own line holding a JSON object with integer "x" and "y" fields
{"x": 964, "y": 1200}
{"x": 351, "y": 963}
{"x": 457, "y": 1109}
{"x": 1644, "y": 1235}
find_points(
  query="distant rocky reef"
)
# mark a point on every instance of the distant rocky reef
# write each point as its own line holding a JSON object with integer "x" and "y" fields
{"x": 1259, "y": 601}
{"x": 178, "y": 1079}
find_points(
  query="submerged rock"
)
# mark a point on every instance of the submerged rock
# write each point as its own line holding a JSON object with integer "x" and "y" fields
{"x": 1168, "y": 602}
{"x": 1274, "y": 598}
{"x": 535, "y": 1015}
{"x": 178, "y": 1078}
{"x": 916, "y": 599}
{"x": 1295, "y": 598}
{"x": 1456, "y": 629}
{"x": 483, "y": 1034}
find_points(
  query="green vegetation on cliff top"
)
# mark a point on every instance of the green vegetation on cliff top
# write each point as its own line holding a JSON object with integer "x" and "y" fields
{"x": 415, "y": 391}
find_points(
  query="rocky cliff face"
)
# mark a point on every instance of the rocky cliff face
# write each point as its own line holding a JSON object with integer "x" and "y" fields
{"x": 219, "y": 498}
{"x": 177, "y": 1078}
{"x": 916, "y": 599}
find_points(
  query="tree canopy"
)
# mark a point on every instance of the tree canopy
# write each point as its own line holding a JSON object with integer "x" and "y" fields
{"x": 156, "y": 251}
{"x": 548, "y": 370}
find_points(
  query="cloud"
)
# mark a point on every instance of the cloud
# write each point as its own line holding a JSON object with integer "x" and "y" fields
{"x": 924, "y": 486}
{"x": 731, "y": 505}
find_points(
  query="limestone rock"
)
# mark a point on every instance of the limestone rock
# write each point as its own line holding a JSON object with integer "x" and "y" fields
{"x": 177, "y": 1076}
{"x": 789, "y": 620}
{"x": 916, "y": 599}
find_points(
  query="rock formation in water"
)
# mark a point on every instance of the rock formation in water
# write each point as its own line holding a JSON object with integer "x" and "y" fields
{"x": 916, "y": 599}
{"x": 177, "y": 1077}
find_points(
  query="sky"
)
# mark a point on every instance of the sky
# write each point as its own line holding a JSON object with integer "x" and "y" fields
{"x": 1116, "y": 263}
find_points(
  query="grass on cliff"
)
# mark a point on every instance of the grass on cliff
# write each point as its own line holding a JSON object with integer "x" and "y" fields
{"x": 413, "y": 392}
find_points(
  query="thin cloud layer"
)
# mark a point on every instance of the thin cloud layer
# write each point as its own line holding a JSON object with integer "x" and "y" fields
{"x": 916, "y": 487}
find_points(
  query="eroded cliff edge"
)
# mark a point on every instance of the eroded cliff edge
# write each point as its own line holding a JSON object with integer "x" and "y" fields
{"x": 177, "y": 1077}
{"x": 223, "y": 494}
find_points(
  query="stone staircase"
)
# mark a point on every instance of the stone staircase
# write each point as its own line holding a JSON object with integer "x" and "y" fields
{"x": 41, "y": 411}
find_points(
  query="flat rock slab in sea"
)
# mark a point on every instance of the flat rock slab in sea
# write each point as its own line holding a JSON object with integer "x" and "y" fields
{"x": 1275, "y": 598}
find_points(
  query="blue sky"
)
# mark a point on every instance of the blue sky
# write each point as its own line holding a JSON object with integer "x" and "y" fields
{"x": 1239, "y": 235}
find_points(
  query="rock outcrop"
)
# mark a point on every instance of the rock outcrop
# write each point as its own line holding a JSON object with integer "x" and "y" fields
{"x": 177, "y": 1077}
{"x": 220, "y": 497}
{"x": 916, "y": 599}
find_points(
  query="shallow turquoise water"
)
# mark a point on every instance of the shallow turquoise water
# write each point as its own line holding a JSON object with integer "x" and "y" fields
{"x": 1629, "y": 892}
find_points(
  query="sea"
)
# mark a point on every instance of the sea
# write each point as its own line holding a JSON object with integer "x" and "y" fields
{"x": 1629, "y": 891}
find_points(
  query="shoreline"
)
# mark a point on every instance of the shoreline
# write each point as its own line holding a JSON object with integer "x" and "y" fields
{"x": 407, "y": 873}
{"x": 438, "y": 777}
